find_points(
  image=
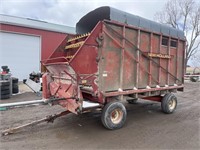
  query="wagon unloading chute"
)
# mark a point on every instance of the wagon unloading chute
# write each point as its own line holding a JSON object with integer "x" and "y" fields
{"x": 116, "y": 56}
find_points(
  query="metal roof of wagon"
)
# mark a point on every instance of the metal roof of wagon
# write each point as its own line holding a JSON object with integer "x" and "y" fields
{"x": 36, "y": 24}
{"x": 88, "y": 22}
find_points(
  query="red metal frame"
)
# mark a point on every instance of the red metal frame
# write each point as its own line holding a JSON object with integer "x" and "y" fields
{"x": 153, "y": 98}
{"x": 117, "y": 93}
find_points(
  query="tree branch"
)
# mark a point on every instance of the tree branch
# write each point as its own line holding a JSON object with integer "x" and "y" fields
{"x": 184, "y": 15}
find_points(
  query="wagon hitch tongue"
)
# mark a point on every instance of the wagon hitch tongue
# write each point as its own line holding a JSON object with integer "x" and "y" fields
{"x": 47, "y": 119}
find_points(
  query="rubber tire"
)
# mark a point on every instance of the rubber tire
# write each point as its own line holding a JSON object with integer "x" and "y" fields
{"x": 5, "y": 92}
{"x": 4, "y": 96}
{"x": 4, "y": 67}
{"x": 132, "y": 101}
{"x": 4, "y": 87}
{"x": 14, "y": 80}
{"x": 106, "y": 115}
{"x": 15, "y": 86}
{"x": 15, "y": 90}
{"x": 165, "y": 103}
{"x": 4, "y": 83}
{"x": 194, "y": 79}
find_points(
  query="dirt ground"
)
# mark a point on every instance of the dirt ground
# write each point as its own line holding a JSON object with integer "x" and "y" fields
{"x": 146, "y": 126}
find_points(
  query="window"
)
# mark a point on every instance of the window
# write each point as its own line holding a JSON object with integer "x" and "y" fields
{"x": 165, "y": 41}
{"x": 173, "y": 43}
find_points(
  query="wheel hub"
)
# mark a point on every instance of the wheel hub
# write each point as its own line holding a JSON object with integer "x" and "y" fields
{"x": 116, "y": 116}
{"x": 172, "y": 104}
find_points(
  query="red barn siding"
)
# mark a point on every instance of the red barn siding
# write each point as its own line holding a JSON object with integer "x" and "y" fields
{"x": 49, "y": 40}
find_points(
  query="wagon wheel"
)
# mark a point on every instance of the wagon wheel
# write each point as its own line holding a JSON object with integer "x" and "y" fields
{"x": 194, "y": 79}
{"x": 169, "y": 103}
{"x": 113, "y": 115}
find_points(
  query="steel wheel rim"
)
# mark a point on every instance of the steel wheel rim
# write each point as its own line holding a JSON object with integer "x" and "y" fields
{"x": 172, "y": 104}
{"x": 116, "y": 116}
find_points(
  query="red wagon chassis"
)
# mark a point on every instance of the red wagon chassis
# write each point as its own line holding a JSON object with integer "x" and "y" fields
{"x": 114, "y": 60}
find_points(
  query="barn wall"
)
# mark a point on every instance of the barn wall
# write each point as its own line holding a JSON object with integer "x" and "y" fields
{"x": 49, "y": 39}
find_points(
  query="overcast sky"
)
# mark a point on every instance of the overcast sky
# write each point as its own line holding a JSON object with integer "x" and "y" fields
{"x": 68, "y": 12}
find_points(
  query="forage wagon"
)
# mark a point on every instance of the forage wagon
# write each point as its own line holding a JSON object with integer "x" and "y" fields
{"x": 115, "y": 56}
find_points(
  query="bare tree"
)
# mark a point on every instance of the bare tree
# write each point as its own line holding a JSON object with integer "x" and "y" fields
{"x": 183, "y": 15}
{"x": 196, "y": 59}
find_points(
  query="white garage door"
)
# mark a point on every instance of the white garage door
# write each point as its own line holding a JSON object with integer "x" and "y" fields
{"x": 21, "y": 53}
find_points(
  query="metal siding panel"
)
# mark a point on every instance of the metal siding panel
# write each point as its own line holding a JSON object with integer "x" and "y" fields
{"x": 129, "y": 77}
{"x": 163, "y": 76}
{"x": 180, "y": 60}
{"x": 87, "y": 66}
{"x": 144, "y": 62}
{"x": 173, "y": 67}
{"x": 111, "y": 69}
{"x": 155, "y": 68}
{"x": 111, "y": 61}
